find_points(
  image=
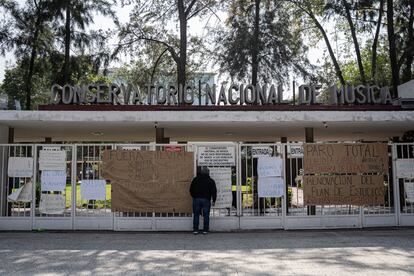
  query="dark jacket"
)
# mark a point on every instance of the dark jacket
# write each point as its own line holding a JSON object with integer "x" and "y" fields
{"x": 203, "y": 186}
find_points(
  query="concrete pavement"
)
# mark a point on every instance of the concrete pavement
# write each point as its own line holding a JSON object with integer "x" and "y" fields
{"x": 323, "y": 252}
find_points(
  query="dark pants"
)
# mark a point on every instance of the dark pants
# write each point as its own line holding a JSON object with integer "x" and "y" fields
{"x": 201, "y": 204}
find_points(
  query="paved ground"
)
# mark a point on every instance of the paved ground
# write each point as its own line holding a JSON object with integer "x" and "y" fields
{"x": 340, "y": 252}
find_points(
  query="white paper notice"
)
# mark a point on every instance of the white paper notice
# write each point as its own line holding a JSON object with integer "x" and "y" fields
{"x": 222, "y": 177}
{"x": 405, "y": 168}
{"x": 53, "y": 180}
{"x": 269, "y": 166}
{"x": 93, "y": 189}
{"x": 20, "y": 167}
{"x": 271, "y": 187}
{"x": 52, "y": 204}
{"x": 216, "y": 156}
{"x": 26, "y": 193}
{"x": 409, "y": 191}
{"x": 52, "y": 160}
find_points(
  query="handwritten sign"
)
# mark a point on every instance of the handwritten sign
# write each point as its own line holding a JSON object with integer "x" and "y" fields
{"x": 405, "y": 168}
{"x": 23, "y": 194}
{"x": 271, "y": 186}
{"x": 52, "y": 160}
{"x": 409, "y": 191}
{"x": 53, "y": 180}
{"x": 20, "y": 167}
{"x": 222, "y": 177}
{"x": 262, "y": 151}
{"x": 216, "y": 156}
{"x": 93, "y": 189}
{"x": 149, "y": 181}
{"x": 344, "y": 189}
{"x": 346, "y": 158}
{"x": 52, "y": 204}
{"x": 269, "y": 166}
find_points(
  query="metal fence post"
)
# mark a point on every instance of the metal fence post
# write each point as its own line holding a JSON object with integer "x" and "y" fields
{"x": 33, "y": 205}
{"x": 396, "y": 185}
{"x": 73, "y": 183}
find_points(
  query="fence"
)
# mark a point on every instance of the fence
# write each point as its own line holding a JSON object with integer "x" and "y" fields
{"x": 247, "y": 211}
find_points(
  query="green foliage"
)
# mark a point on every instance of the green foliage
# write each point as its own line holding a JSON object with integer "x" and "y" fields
{"x": 46, "y": 73}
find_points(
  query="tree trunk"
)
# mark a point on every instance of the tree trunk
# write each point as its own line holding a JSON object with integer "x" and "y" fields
{"x": 355, "y": 40}
{"x": 67, "y": 44}
{"x": 392, "y": 47}
{"x": 255, "y": 43}
{"x": 407, "y": 73}
{"x": 375, "y": 42}
{"x": 183, "y": 44}
{"x": 328, "y": 44}
{"x": 31, "y": 64}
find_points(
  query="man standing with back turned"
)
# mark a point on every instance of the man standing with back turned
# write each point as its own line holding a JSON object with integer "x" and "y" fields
{"x": 203, "y": 190}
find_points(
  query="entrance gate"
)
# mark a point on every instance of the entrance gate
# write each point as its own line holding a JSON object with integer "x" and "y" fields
{"x": 247, "y": 211}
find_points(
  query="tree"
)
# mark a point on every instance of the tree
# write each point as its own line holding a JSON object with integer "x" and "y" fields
{"x": 150, "y": 24}
{"x": 46, "y": 72}
{"x": 392, "y": 46}
{"x": 261, "y": 38}
{"x": 76, "y": 16}
{"x": 27, "y": 31}
{"x": 311, "y": 9}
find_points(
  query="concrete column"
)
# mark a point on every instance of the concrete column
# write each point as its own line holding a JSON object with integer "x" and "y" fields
{"x": 309, "y": 138}
{"x": 4, "y": 134}
{"x": 159, "y": 135}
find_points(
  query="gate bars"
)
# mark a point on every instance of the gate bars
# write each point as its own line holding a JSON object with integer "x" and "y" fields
{"x": 248, "y": 211}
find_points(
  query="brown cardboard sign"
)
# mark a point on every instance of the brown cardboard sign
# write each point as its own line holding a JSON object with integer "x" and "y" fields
{"x": 149, "y": 181}
{"x": 346, "y": 158}
{"x": 344, "y": 189}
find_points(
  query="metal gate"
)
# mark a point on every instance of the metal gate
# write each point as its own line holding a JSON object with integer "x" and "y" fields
{"x": 404, "y": 183}
{"x": 247, "y": 211}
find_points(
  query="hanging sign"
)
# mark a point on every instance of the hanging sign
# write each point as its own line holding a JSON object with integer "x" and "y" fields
{"x": 216, "y": 156}
{"x": 344, "y": 189}
{"x": 405, "y": 168}
{"x": 222, "y": 177}
{"x": 346, "y": 158}
{"x": 173, "y": 148}
{"x": 52, "y": 204}
{"x": 269, "y": 166}
{"x": 52, "y": 160}
{"x": 23, "y": 194}
{"x": 271, "y": 186}
{"x": 53, "y": 180}
{"x": 93, "y": 189}
{"x": 262, "y": 151}
{"x": 295, "y": 151}
{"x": 20, "y": 167}
{"x": 409, "y": 191}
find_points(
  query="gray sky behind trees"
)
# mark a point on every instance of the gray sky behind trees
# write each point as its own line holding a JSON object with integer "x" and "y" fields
{"x": 196, "y": 27}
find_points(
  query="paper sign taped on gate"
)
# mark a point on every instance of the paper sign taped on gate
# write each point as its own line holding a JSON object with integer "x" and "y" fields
{"x": 20, "y": 167}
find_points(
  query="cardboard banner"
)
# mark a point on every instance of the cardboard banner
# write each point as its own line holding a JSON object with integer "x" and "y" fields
{"x": 405, "y": 168}
{"x": 271, "y": 186}
{"x": 149, "y": 181}
{"x": 216, "y": 156}
{"x": 52, "y": 160}
{"x": 222, "y": 177}
{"x": 344, "y": 190}
{"x": 346, "y": 158}
{"x": 20, "y": 167}
{"x": 93, "y": 189}
{"x": 52, "y": 204}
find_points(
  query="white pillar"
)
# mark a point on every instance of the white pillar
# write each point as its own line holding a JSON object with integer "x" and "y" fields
{"x": 4, "y": 139}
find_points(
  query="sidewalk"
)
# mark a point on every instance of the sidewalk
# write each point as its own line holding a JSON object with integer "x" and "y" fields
{"x": 324, "y": 252}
